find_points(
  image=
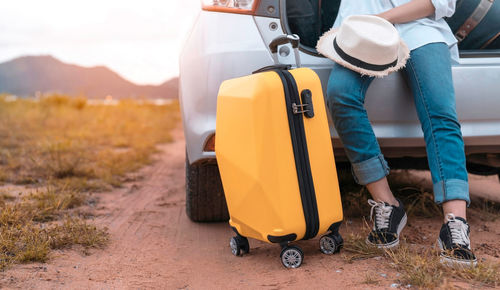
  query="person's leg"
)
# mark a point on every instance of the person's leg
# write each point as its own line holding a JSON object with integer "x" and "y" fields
{"x": 381, "y": 191}
{"x": 345, "y": 99}
{"x": 457, "y": 207}
{"x": 430, "y": 78}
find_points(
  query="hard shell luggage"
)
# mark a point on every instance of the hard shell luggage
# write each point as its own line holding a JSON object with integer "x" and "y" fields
{"x": 275, "y": 157}
{"x": 476, "y": 24}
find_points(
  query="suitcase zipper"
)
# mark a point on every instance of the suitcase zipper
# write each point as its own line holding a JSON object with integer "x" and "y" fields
{"x": 302, "y": 164}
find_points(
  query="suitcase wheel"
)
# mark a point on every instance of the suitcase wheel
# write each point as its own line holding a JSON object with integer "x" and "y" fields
{"x": 291, "y": 257}
{"x": 330, "y": 244}
{"x": 239, "y": 245}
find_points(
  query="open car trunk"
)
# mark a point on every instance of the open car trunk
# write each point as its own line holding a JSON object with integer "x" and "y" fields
{"x": 476, "y": 78}
{"x": 311, "y": 18}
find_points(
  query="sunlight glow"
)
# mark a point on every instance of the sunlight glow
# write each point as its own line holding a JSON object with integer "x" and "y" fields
{"x": 141, "y": 40}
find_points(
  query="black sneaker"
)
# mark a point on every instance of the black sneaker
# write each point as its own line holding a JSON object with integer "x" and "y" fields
{"x": 454, "y": 242}
{"x": 388, "y": 223}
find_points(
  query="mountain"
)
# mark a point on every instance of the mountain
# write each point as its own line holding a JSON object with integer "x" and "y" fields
{"x": 25, "y": 76}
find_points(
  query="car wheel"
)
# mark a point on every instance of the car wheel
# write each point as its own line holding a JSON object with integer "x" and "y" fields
{"x": 205, "y": 201}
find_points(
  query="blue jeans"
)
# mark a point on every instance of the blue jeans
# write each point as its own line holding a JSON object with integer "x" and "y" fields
{"x": 429, "y": 76}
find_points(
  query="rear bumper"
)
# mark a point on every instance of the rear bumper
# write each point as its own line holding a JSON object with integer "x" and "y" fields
{"x": 223, "y": 46}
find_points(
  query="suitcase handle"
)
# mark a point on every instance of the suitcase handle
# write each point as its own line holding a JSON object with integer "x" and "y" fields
{"x": 273, "y": 67}
{"x": 293, "y": 39}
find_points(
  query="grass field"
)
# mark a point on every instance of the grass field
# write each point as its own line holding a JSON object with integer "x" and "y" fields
{"x": 418, "y": 265}
{"x": 54, "y": 152}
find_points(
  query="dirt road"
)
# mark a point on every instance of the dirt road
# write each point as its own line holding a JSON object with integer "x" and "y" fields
{"x": 154, "y": 245}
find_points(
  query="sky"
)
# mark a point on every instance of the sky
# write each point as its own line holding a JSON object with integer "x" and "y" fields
{"x": 140, "y": 40}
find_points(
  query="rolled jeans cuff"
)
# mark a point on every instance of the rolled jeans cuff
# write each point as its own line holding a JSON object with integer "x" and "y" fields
{"x": 451, "y": 189}
{"x": 371, "y": 170}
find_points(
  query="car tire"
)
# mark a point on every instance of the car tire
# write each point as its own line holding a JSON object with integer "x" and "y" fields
{"x": 205, "y": 201}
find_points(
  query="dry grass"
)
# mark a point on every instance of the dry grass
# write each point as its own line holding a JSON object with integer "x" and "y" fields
{"x": 422, "y": 268}
{"x": 355, "y": 202}
{"x": 22, "y": 243}
{"x": 74, "y": 231}
{"x": 370, "y": 279}
{"x": 61, "y": 149}
{"x": 419, "y": 266}
{"x": 31, "y": 242}
{"x": 484, "y": 209}
{"x": 60, "y": 138}
{"x": 30, "y": 227}
{"x": 418, "y": 201}
{"x": 357, "y": 248}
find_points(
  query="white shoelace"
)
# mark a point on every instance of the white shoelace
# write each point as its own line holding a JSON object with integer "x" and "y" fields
{"x": 458, "y": 231}
{"x": 382, "y": 214}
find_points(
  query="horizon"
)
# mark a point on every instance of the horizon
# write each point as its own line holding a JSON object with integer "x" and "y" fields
{"x": 92, "y": 66}
{"x": 143, "y": 50}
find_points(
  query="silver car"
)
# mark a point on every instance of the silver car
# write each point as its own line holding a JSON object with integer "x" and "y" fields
{"x": 230, "y": 39}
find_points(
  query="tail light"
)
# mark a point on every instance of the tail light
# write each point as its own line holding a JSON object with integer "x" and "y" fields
{"x": 210, "y": 145}
{"x": 230, "y": 6}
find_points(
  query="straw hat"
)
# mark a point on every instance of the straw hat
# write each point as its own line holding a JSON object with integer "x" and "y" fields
{"x": 366, "y": 44}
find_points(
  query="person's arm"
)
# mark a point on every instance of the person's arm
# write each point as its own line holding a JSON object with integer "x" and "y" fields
{"x": 417, "y": 9}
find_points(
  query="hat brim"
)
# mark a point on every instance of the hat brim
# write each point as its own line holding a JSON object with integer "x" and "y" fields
{"x": 325, "y": 47}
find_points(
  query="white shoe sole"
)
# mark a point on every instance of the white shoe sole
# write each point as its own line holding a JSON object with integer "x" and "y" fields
{"x": 450, "y": 261}
{"x": 393, "y": 244}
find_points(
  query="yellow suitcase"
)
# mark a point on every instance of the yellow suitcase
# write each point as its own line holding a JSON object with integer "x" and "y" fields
{"x": 275, "y": 157}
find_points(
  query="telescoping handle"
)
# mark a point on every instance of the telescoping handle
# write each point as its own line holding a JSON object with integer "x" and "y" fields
{"x": 293, "y": 39}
